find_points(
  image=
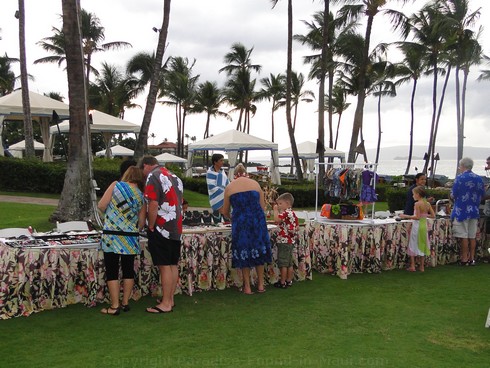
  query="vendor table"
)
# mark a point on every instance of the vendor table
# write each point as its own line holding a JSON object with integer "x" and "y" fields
{"x": 343, "y": 247}
{"x": 52, "y": 276}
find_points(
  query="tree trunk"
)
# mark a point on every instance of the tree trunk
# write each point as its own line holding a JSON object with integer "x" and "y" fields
{"x": 463, "y": 113}
{"x": 436, "y": 128}
{"x": 142, "y": 142}
{"x": 75, "y": 201}
{"x": 378, "y": 146}
{"x": 361, "y": 95}
{"x": 410, "y": 149}
{"x": 289, "y": 70}
{"x": 321, "y": 92}
{"x": 26, "y": 104}
{"x": 433, "y": 122}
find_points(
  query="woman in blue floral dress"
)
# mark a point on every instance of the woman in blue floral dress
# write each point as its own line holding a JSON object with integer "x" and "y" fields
{"x": 250, "y": 243}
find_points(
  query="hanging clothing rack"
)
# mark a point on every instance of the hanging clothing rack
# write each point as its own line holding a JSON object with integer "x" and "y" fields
{"x": 363, "y": 165}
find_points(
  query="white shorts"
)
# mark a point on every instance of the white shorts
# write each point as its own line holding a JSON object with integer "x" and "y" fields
{"x": 465, "y": 229}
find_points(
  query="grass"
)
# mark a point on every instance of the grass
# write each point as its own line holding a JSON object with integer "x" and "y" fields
{"x": 392, "y": 319}
{"x": 31, "y": 194}
{"x": 24, "y": 215}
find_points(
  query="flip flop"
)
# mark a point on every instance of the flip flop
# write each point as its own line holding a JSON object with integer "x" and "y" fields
{"x": 261, "y": 291}
{"x": 115, "y": 312}
{"x": 158, "y": 310}
{"x": 411, "y": 270}
{"x": 160, "y": 300}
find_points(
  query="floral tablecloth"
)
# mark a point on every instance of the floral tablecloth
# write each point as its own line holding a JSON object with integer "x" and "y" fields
{"x": 344, "y": 248}
{"x": 32, "y": 280}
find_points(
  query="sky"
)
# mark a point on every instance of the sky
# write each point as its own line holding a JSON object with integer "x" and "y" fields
{"x": 206, "y": 33}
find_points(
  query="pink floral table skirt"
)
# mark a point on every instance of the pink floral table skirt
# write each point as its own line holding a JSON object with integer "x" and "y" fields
{"x": 341, "y": 248}
{"x": 32, "y": 280}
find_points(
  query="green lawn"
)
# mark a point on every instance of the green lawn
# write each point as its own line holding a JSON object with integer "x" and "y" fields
{"x": 24, "y": 215}
{"x": 392, "y": 319}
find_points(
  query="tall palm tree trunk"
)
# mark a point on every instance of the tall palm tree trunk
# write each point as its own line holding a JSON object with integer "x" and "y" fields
{"x": 75, "y": 201}
{"x": 142, "y": 142}
{"x": 463, "y": 113}
{"x": 378, "y": 146}
{"x": 412, "y": 118}
{"x": 458, "y": 121}
{"x": 361, "y": 95}
{"x": 26, "y": 104}
{"x": 289, "y": 72}
{"x": 433, "y": 121}
{"x": 438, "y": 118}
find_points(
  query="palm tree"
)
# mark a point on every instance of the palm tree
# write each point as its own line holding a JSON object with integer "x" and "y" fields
{"x": 75, "y": 200}
{"x": 55, "y": 96}
{"x": 239, "y": 88}
{"x": 429, "y": 28}
{"x": 338, "y": 103}
{"x": 411, "y": 68}
{"x": 180, "y": 89}
{"x": 467, "y": 52}
{"x": 351, "y": 49}
{"x": 209, "y": 99}
{"x": 298, "y": 94}
{"x": 485, "y": 73}
{"x": 382, "y": 86}
{"x": 240, "y": 92}
{"x": 93, "y": 34}
{"x": 142, "y": 141}
{"x": 7, "y": 76}
{"x": 26, "y": 104}
{"x": 273, "y": 90}
{"x": 113, "y": 91}
{"x": 326, "y": 40}
{"x": 239, "y": 59}
{"x": 140, "y": 66}
{"x": 289, "y": 70}
{"x": 370, "y": 8}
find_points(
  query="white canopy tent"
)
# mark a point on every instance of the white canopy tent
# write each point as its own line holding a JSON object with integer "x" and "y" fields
{"x": 42, "y": 108}
{"x": 17, "y": 149}
{"x": 232, "y": 142}
{"x": 307, "y": 152}
{"x": 116, "y": 150}
{"x": 102, "y": 123}
{"x": 168, "y": 157}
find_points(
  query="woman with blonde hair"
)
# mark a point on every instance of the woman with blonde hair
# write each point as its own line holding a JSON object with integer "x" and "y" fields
{"x": 244, "y": 203}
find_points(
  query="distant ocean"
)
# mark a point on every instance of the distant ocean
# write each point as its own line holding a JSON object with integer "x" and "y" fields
{"x": 397, "y": 167}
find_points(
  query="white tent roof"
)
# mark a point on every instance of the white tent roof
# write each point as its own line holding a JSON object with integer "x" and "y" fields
{"x": 232, "y": 140}
{"x": 116, "y": 151}
{"x": 307, "y": 150}
{"x": 102, "y": 122}
{"x": 19, "y": 146}
{"x": 168, "y": 157}
{"x": 41, "y": 106}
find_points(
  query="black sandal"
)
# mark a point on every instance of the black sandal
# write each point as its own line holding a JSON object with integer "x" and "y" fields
{"x": 125, "y": 308}
{"x": 107, "y": 311}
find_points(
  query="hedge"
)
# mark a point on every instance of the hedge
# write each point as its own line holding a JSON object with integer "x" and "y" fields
{"x": 396, "y": 197}
{"x": 48, "y": 177}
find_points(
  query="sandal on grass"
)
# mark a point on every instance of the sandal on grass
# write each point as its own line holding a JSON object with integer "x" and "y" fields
{"x": 111, "y": 311}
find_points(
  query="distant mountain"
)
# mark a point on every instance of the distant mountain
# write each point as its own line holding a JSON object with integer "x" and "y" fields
{"x": 445, "y": 153}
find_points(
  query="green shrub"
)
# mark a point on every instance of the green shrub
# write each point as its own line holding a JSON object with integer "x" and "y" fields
{"x": 396, "y": 197}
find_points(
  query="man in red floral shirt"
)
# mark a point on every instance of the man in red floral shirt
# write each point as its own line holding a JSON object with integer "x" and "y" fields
{"x": 163, "y": 195}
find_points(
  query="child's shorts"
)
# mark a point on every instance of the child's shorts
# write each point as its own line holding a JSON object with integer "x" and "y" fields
{"x": 284, "y": 255}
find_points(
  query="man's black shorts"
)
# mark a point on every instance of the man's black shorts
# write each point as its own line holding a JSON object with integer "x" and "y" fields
{"x": 164, "y": 252}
